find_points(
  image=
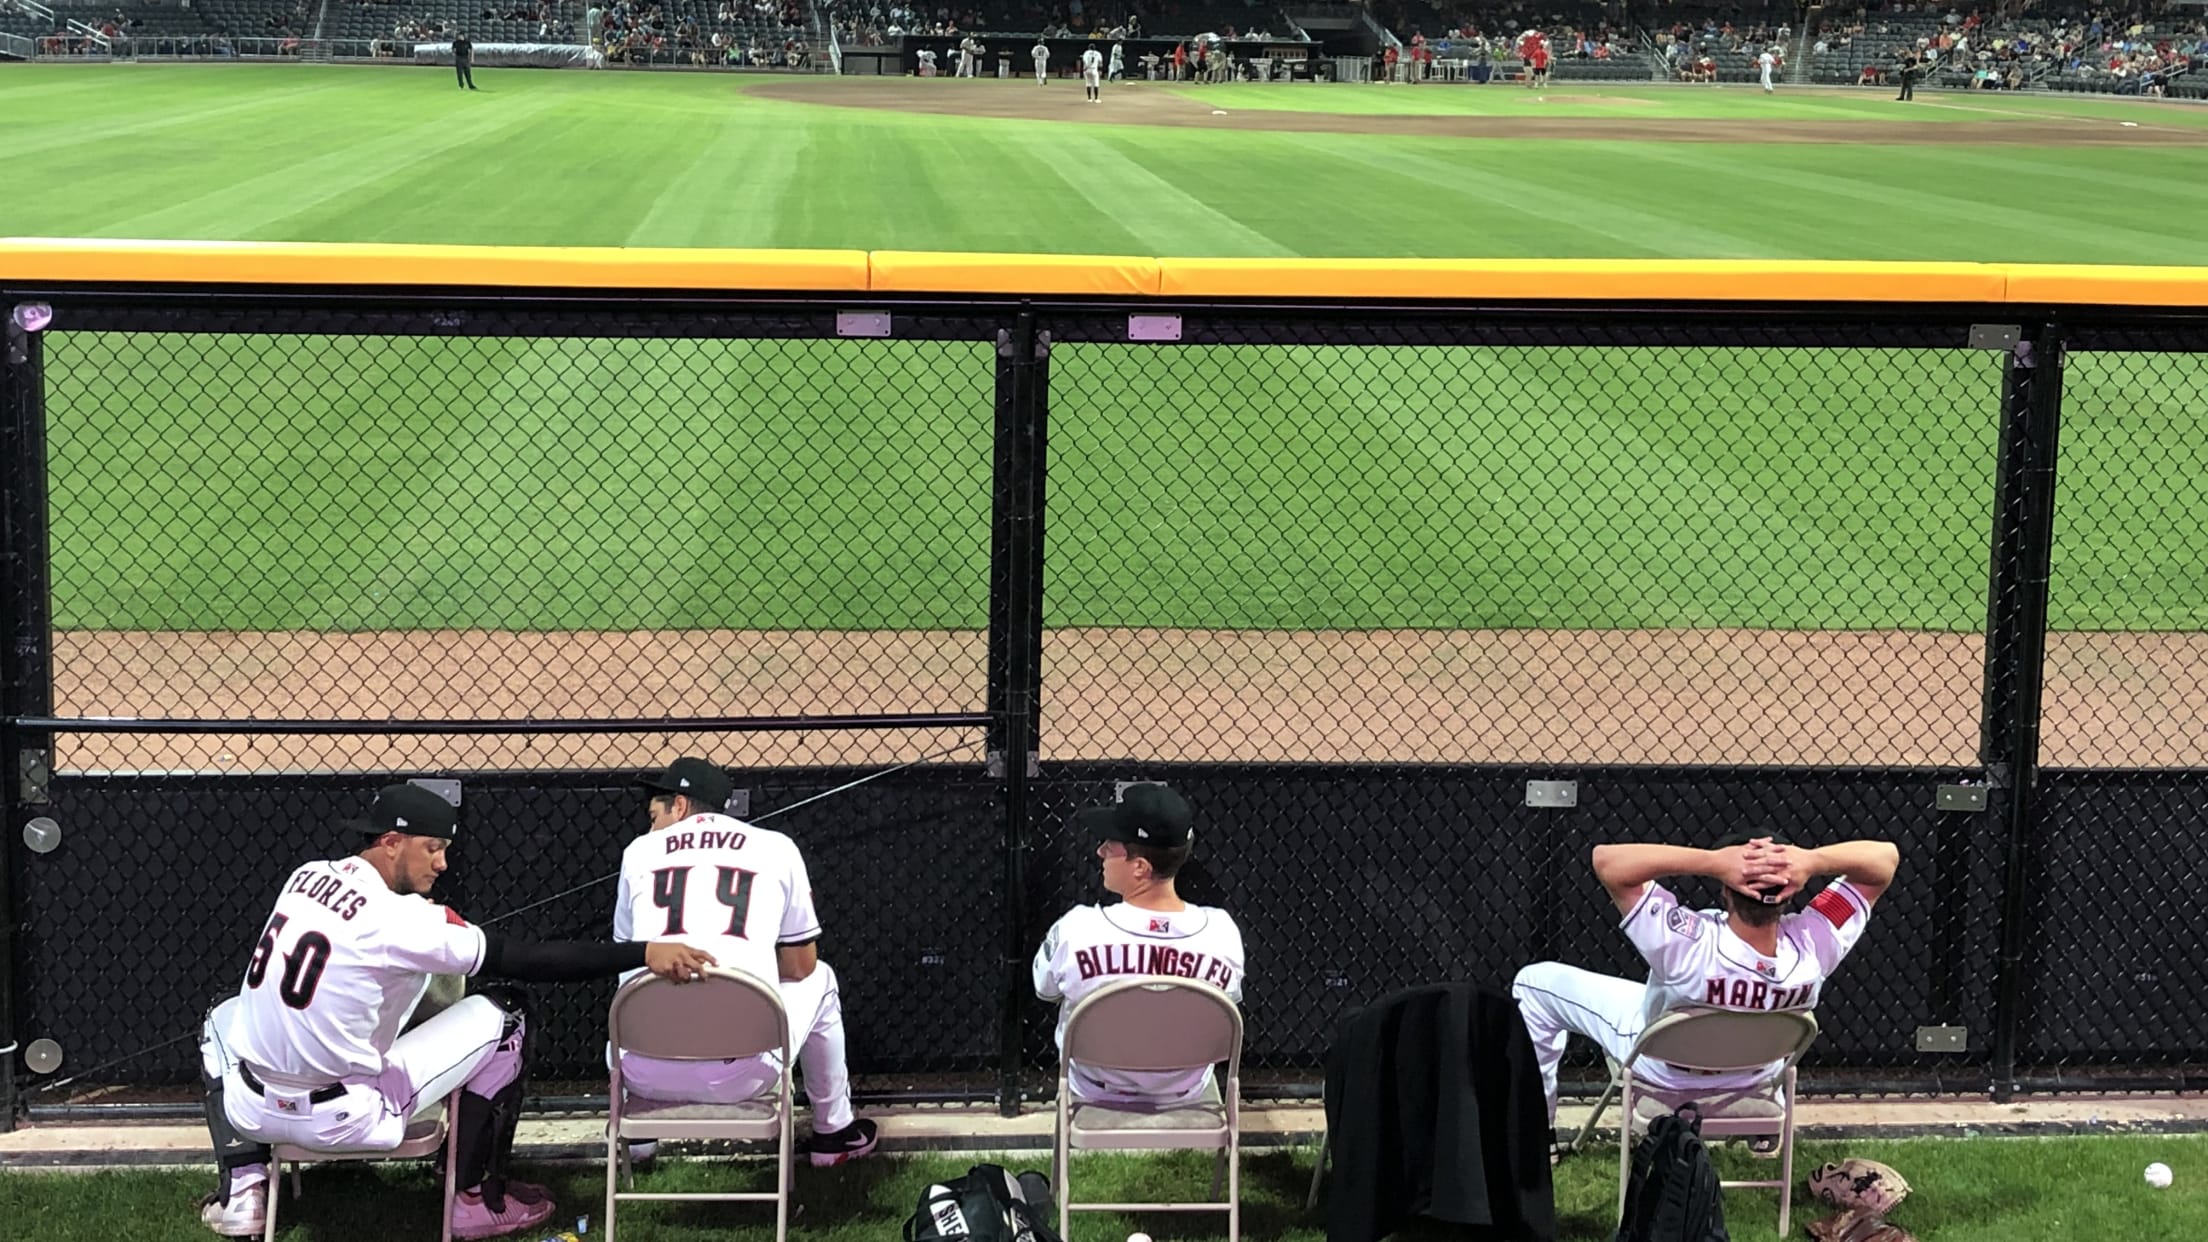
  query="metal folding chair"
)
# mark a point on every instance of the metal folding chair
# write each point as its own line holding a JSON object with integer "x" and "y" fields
{"x": 424, "y": 1135}
{"x": 1154, "y": 1025}
{"x": 724, "y": 1015}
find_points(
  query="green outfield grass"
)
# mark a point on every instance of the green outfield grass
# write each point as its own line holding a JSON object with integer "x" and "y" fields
{"x": 357, "y": 154}
{"x": 1982, "y": 1190}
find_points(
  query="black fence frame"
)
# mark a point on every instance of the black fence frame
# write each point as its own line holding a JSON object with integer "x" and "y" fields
{"x": 2005, "y": 836}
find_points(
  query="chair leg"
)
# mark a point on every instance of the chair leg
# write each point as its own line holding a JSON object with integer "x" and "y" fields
{"x": 1318, "y": 1172}
{"x": 1625, "y": 1145}
{"x": 617, "y": 1152}
{"x": 275, "y": 1192}
{"x": 1061, "y": 1164}
{"x": 452, "y": 1165}
{"x": 1602, "y": 1102}
{"x": 1786, "y": 1161}
{"x": 1234, "y": 1181}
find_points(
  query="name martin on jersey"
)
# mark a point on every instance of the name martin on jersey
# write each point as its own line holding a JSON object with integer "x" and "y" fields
{"x": 1153, "y": 959}
{"x": 329, "y": 890}
{"x": 1741, "y": 994}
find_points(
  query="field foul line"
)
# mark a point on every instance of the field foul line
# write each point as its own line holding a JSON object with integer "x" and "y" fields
{"x": 2030, "y": 116}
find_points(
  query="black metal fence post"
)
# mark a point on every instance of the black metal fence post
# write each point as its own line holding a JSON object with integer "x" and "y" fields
{"x": 2016, "y": 644}
{"x": 1016, "y": 648}
{"x": 26, "y": 663}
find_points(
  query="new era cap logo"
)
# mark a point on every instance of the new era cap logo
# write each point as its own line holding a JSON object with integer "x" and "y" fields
{"x": 400, "y": 820}
{"x": 682, "y": 782}
{"x": 1144, "y": 833}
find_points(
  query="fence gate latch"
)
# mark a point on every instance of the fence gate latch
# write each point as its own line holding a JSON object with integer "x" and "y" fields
{"x": 1943, "y": 1039}
{"x": 2000, "y": 336}
{"x": 1961, "y": 798}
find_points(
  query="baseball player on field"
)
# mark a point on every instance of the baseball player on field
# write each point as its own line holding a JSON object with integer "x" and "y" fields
{"x": 1766, "y": 62}
{"x": 1752, "y": 955}
{"x": 1118, "y": 70}
{"x": 1092, "y": 74}
{"x": 739, "y": 892}
{"x": 1040, "y": 54}
{"x": 309, "y": 1051}
{"x": 1145, "y": 839}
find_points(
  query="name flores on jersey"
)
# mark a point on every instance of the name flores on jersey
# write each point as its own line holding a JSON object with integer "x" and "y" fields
{"x": 329, "y": 891}
{"x": 1153, "y": 959}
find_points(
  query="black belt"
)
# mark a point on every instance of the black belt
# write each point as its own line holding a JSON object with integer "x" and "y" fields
{"x": 320, "y": 1095}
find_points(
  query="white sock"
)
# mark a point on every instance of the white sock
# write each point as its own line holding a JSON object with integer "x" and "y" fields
{"x": 245, "y": 1177}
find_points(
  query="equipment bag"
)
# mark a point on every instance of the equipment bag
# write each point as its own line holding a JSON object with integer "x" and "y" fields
{"x": 1672, "y": 1194}
{"x": 987, "y": 1205}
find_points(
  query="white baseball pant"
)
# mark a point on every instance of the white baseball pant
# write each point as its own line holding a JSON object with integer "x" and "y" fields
{"x": 815, "y": 1008}
{"x": 1767, "y": 77}
{"x": 465, "y": 1046}
{"x": 1558, "y": 1001}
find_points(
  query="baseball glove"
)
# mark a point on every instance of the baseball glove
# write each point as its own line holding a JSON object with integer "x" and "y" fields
{"x": 1858, "y": 1225}
{"x": 1863, "y": 1184}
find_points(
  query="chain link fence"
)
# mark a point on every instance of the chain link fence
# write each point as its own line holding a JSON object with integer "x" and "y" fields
{"x": 1354, "y": 579}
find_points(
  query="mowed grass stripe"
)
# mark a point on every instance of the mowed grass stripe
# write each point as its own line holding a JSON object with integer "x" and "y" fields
{"x": 1163, "y": 216}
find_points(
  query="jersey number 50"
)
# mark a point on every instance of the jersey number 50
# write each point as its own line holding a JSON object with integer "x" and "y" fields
{"x": 302, "y": 966}
{"x": 669, "y": 884}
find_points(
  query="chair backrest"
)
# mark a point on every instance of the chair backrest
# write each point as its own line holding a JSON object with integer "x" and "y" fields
{"x": 1727, "y": 1039}
{"x": 727, "y": 1014}
{"x": 1154, "y": 1024}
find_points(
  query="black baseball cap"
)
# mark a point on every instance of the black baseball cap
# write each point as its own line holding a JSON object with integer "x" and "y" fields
{"x": 412, "y": 810}
{"x": 1144, "y": 815}
{"x": 698, "y": 779}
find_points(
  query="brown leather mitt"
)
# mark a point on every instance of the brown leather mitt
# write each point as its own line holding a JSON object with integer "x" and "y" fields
{"x": 1859, "y": 1184}
{"x": 1858, "y": 1225}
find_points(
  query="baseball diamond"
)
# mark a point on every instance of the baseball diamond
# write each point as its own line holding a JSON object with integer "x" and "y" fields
{"x": 915, "y": 532}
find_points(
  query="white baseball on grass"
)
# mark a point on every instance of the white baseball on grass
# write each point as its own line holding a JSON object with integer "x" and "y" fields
{"x": 2158, "y": 1175}
{"x": 1138, "y": 1237}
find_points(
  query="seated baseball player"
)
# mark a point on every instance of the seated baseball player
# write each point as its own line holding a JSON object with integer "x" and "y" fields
{"x": 740, "y": 892}
{"x": 1751, "y": 955}
{"x": 1144, "y": 840}
{"x": 309, "y": 1053}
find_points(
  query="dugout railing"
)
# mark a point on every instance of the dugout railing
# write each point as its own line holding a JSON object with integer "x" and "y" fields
{"x": 1419, "y": 578}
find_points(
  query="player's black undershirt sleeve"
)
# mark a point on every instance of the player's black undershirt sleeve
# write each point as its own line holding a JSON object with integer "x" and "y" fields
{"x": 557, "y": 961}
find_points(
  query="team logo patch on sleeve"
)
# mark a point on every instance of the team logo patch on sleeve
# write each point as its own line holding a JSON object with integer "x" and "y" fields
{"x": 1835, "y": 906}
{"x": 1683, "y": 923}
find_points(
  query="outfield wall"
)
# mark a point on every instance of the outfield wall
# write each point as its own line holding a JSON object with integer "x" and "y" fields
{"x": 932, "y": 550}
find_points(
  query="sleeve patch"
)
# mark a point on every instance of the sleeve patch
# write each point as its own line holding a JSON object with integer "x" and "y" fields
{"x": 1682, "y": 923}
{"x": 1835, "y": 906}
{"x": 452, "y": 916}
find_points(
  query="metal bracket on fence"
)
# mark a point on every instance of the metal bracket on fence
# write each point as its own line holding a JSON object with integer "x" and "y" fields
{"x": 862, "y": 323}
{"x": 35, "y": 780}
{"x": 1961, "y": 798}
{"x": 997, "y": 770}
{"x": 25, "y": 319}
{"x": 448, "y": 790}
{"x": 1943, "y": 1039}
{"x": 1153, "y": 327}
{"x": 2001, "y": 336}
{"x": 1552, "y": 794}
{"x": 42, "y": 835}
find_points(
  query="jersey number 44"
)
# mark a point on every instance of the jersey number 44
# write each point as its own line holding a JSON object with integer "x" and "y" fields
{"x": 731, "y": 890}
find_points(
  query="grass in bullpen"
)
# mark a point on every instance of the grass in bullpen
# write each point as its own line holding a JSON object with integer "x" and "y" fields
{"x": 1985, "y": 1190}
{"x": 342, "y": 484}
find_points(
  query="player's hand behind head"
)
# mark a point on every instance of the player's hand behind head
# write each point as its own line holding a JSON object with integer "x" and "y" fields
{"x": 1751, "y": 868}
{"x": 1787, "y": 866}
{"x": 671, "y": 959}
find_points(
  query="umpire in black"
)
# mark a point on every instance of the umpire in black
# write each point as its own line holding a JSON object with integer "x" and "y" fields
{"x": 463, "y": 59}
{"x": 1912, "y": 67}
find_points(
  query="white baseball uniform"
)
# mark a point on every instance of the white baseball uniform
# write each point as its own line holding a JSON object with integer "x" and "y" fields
{"x": 1119, "y": 63}
{"x": 927, "y": 62}
{"x": 737, "y": 891}
{"x": 1095, "y": 945}
{"x": 309, "y": 1049}
{"x": 1041, "y": 55}
{"x": 1092, "y": 68}
{"x": 1766, "y": 62}
{"x": 1693, "y": 959}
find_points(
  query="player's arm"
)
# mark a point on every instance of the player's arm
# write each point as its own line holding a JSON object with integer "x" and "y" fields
{"x": 569, "y": 961}
{"x": 797, "y": 942}
{"x": 1046, "y": 967}
{"x": 1626, "y": 870}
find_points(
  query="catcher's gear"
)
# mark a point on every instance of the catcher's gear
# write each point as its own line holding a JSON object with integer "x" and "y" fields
{"x": 1859, "y": 1184}
{"x": 1858, "y": 1225}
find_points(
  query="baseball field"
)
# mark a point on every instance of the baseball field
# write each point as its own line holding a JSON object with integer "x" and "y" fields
{"x": 1819, "y": 516}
